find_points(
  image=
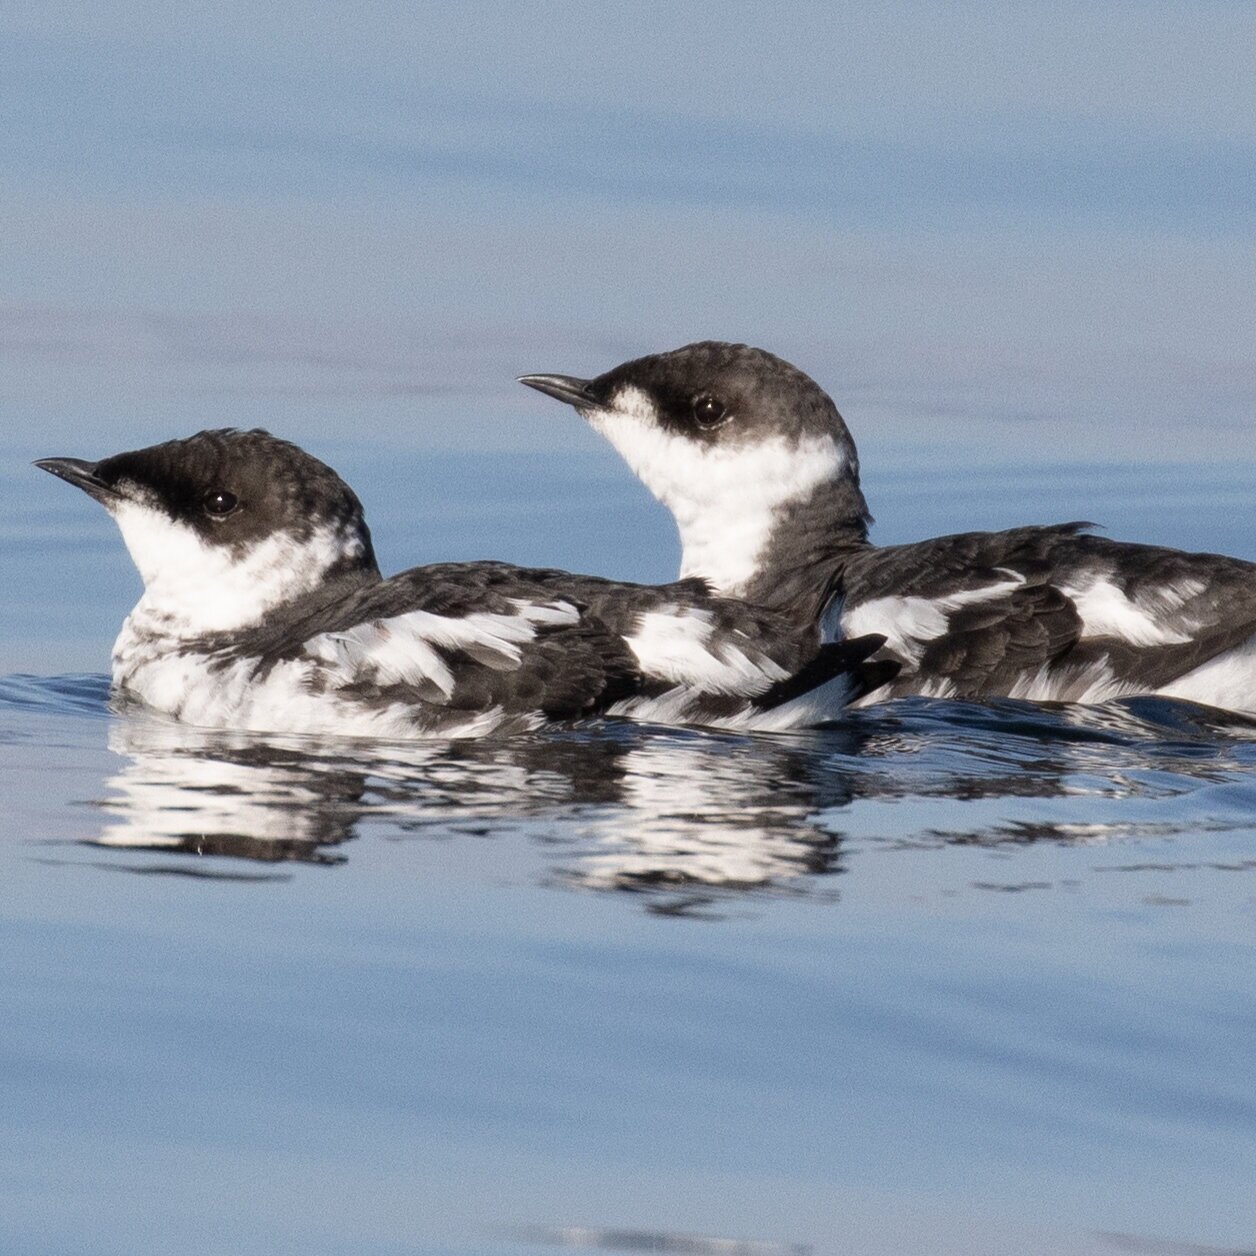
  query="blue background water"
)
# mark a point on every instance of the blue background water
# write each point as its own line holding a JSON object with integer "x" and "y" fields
{"x": 949, "y": 978}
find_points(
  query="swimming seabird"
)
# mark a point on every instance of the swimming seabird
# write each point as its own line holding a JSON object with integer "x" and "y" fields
{"x": 264, "y": 609}
{"x": 762, "y": 477}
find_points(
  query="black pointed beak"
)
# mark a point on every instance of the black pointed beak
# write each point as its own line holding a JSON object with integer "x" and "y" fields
{"x": 79, "y": 473}
{"x": 575, "y": 392}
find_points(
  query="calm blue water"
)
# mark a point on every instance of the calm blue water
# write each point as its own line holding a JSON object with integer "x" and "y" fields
{"x": 949, "y": 978}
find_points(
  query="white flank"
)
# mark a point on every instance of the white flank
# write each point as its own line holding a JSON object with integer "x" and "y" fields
{"x": 1227, "y": 681}
{"x": 1087, "y": 682}
{"x": 288, "y": 699}
{"x": 675, "y": 644}
{"x": 192, "y": 588}
{"x": 817, "y": 706}
{"x": 726, "y": 500}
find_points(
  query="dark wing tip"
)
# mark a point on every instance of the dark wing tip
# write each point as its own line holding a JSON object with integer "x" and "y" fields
{"x": 835, "y": 659}
{"x": 856, "y": 649}
{"x": 868, "y": 673}
{"x": 873, "y": 675}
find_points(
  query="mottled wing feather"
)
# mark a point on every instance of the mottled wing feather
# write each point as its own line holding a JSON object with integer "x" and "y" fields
{"x": 961, "y": 562}
{"x": 541, "y": 657}
{"x": 1085, "y": 606}
{"x": 472, "y": 637}
{"x": 1159, "y": 666}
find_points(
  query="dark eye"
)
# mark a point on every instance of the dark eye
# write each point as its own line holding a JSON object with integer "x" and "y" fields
{"x": 219, "y": 502}
{"x": 708, "y": 412}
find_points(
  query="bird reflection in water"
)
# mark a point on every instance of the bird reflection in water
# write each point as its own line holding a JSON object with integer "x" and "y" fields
{"x": 732, "y": 813}
{"x": 617, "y": 806}
{"x": 187, "y": 791}
{"x": 683, "y": 817}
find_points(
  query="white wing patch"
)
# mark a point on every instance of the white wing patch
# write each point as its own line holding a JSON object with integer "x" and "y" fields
{"x": 1106, "y": 611}
{"x": 553, "y": 613}
{"x": 679, "y": 645}
{"x": 908, "y": 624}
{"x": 405, "y": 648}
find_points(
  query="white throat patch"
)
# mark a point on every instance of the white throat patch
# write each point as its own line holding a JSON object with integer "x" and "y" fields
{"x": 726, "y": 501}
{"x": 192, "y": 587}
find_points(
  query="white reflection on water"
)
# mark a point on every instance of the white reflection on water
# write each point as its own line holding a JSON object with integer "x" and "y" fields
{"x": 681, "y": 816}
{"x": 525, "y": 1053}
{"x": 181, "y": 790}
{"x": 718, "y": 814}
{"x": 627, "y": 808}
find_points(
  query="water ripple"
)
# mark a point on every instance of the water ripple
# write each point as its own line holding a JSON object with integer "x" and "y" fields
{"x": 684, "y": 817}
{"x": 74, "y": 694}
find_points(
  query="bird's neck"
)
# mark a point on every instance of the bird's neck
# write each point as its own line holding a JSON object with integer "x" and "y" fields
{"x": 195, "y": 612}
{"x": 790, "y": 558}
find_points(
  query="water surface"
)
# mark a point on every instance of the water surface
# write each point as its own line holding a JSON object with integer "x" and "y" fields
{"x": 947, "y": 977}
